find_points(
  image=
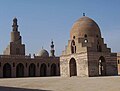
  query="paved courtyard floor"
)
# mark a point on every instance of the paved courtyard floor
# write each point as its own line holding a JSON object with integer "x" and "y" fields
{"x": 61, "y": 84}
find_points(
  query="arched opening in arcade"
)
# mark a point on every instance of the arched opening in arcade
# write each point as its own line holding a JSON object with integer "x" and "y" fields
{"x": 53, "y": 70}
{"x": 102, "y": 66}
{"x": 32, "y": 70}
{"x": 20, "y": 70}
{"x": 43, "y": 70}
{"x": 7, "y": 70}
{"x": 73, "y": 68}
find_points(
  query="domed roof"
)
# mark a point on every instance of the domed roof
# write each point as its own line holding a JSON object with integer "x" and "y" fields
{"x": 85, "y": 26}
{"x": 43, "y": 53}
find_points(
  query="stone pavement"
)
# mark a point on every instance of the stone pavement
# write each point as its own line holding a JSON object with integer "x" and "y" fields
{"x": 109, "y": 83}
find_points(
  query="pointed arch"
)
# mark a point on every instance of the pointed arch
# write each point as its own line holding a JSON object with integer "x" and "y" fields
{"x": 73, "y": 47}
{"x": 53, "y": 70}
{"x": 73, "y": 68}
{"x": 7, "y": 70}
{"x": 20, "y": 70}
{"x": 43, "y": 70}
{"x": 102, "y": 66}
{"x": 32, "y": 70}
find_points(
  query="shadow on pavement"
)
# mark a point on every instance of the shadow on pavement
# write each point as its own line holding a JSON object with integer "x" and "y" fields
{"x": 3, "y": 88}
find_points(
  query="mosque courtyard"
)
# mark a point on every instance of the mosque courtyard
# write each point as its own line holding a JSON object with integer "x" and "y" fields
{"x": 110, "y": 83}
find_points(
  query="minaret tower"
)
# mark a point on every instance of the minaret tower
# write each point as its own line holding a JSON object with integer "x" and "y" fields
{"x": 15, "y": 26}
{"x": 15, "y": 47}
{"x": 15, "y": 34}
{"x": 52, "y": 51}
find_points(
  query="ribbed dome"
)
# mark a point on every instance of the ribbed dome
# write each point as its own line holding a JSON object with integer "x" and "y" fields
{"x": 85, "y": 26}
{"x": 43, "y": 53}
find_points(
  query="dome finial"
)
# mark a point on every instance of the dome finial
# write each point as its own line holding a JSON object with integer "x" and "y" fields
{"x": 83, "y": 14}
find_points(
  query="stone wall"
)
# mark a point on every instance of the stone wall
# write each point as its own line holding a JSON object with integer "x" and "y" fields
{"x": 110, "y": 63}
{"x": 26, "y": 61}
{"x": 81, "y": 64}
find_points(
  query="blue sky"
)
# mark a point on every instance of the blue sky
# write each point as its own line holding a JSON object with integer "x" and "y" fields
{"x": 42, "y": 20}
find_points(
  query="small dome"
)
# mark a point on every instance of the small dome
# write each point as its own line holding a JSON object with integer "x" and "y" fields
{"x": 43, "y": 53}
{"x": 85, "y": 26}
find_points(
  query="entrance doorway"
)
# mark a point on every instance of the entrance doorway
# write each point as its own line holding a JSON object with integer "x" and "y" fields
{"x": 73, "y": 68}
{"x": 102, "y": 66}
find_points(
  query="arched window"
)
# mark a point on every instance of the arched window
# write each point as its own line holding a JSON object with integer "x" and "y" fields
{"x": 20, "y": 70}
{"x": 43, "y": 70}
{"x": 73, "y": 68}
{"x": 73, "y": 37}
{"x": 73, "y": 47}
{"x": 7, "y": 70}
{"x": 102, "y": 66}
{"x": 99, "y": 48}
{"x": 32, "y": 69}
{"x": 85, "y": 35}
